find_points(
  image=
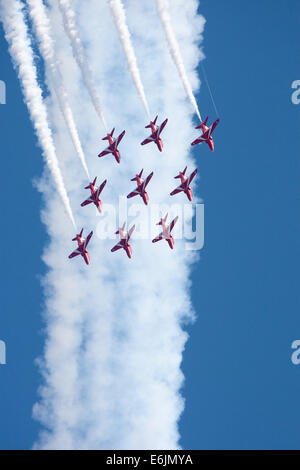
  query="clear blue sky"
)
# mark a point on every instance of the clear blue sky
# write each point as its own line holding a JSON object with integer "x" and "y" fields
{"x": 241, "y": 390}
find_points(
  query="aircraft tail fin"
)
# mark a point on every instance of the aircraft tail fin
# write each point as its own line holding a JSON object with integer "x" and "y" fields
{"x": 151, "y": 122}
{"x": 120, "y": 228}
{"x": 163, "y": 219}
{"x": 137, "y": 176}
{"x": 109, "y": 135}
{"x": 202, "y": 124}
{"x": 181, "y": 173}
{"x": 78, "y": 235}
{"x": 93, "y": 183}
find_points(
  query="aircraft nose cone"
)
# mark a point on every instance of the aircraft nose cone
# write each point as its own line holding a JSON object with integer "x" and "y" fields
{"x": 128, "y": 251}
{"x": 145, "y": 198}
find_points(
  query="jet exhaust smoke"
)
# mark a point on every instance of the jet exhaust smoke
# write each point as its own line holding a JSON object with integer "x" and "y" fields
{"x": 77, "y": 48}
{"x": 21, "y": 52}
{"x": 41, "y": 22}
{"x": 114, "y": 331}
{"x": 163, "y": 11}
{"x": 119, "y": 15}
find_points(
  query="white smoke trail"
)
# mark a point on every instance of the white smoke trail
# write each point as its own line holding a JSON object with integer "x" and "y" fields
{"x": 41, "y": 22}
{"x": 119, "y": 15}
{"x": 115, "y": 330}
{"x": 163, "y": 10}
{"x": 20, "y": 49}
{"x": 74, "y": 37}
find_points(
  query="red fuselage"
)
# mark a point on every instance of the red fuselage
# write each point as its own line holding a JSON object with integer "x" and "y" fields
{"x": 206, "y": 134}
{"x": 96, "y": 200}
{"x": 187, "y": 190}
{"x": 155, "y": 133}
{"x": 124, "y": 240}
{"x": 83, "y": 251}
{"x": 156, "y": 137}
{"x": 113, "y": 145}
{"x": 141, "y": 190}
{"x": 167, "y": 234}
{"x": 95, "y": 195}
{"x": 125, "y": 243}
{"x": 114, "y": 148}
{"x": 82, "y": 246}
{"x": 209, "y": 140}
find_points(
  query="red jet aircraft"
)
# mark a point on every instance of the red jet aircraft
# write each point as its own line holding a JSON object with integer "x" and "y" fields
{"x": 95, "y": 195}
{"x": 82, "y": 244}
{"x": 185, "y": 184}
{"x": 113, "y": 145}
{"x": 141, "y": 187}
{"x": 155, "y": 136}
{"x": 166, "y": 232}
{"x": 206, "y": 134}
{"x": 124, "y": 240}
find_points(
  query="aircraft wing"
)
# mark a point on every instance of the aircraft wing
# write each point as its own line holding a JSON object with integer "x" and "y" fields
{"x": 120, "y": 138}
{"x": 198, "y": 141}
{"x": 177, "y": 190}
{"x": 214, "y": 125}
{"x": 173, "y": 223}
{"x": 118, "y": 246}
{"x": 148, "y": 179}
{"x": 74, "y": 253}
{"x": 133, "y": 193}
{"x": 192, "y": 176}
{"x": 161, "y": 127}
{"x": 101, "y": 187}
{"x": 130, "y": 232}
{"x": 147, "y": 141}
{"x": 86, "y": 202}
{"x": 158, "y": 238}
{"x": 86, "y": 241}
{"x": 105, "y": 152}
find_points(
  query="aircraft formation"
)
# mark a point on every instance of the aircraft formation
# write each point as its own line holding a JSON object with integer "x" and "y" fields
{"x": 140, "y": 189}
